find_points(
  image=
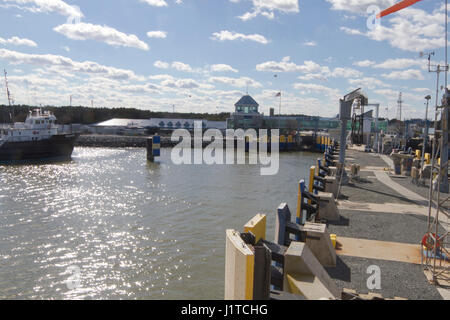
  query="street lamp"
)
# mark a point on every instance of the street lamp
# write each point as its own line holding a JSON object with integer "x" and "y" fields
{"x": 425, "y": 135}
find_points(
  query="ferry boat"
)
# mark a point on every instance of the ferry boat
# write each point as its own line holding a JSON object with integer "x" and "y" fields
{"x": 36, "y": 138}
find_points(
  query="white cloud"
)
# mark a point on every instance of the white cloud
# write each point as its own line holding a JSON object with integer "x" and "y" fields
{"x": 267, "y": 8}
{"x": 400, "y": 63}
{"x": 358, "y": 6}
{"x": 181, "y": 83}
{"x": 316, "y": 88}
{"x": 18, "y": 42}
{"x": 285, "y": 65}
{"x": 161, "y": 64}
{"x": 156, "y": 3}
{"x": 410, "y": 29}
{"x": 364, "y": 63}
{"x": 222, "y": 68}
{"x": 236, "y": 82}
{"x": 57, "y": 6}
{"x": 66, "y": 64}
{"x": 180, "y": 66}
{"x": 368, "y": 82}
{"x": 111, "y": 36}
{"x": 157, "y": 34}
{"x": 352, "y": 31}
{"x": 310, "y": 43}
{"x": 404, "y": 75}
{"x": 226, "y": 35}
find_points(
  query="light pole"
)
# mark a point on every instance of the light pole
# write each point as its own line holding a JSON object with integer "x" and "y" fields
{"x": 425, "y": 135}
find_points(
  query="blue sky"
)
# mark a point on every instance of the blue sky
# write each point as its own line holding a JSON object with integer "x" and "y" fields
{"x": 201, "y": 55}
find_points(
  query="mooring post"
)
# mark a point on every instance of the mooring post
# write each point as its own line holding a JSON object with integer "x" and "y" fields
{"x": 150, "y": 156}
{"x": 153, "y": 148}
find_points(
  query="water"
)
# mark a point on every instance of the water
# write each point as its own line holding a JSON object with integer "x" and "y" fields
{"x": 135, "y": 230}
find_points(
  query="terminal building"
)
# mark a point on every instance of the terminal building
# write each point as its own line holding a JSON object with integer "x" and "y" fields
{"x": 247, "y": 116}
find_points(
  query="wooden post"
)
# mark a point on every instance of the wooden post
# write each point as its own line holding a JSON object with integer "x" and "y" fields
{"x": 239, "y": 268}
{"x": 261, "y": 280}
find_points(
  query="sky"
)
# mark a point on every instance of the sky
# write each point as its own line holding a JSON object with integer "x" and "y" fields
{"x": 203, "y": 55}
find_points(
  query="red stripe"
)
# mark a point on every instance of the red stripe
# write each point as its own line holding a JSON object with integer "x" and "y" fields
{"x": 396, "y": 7}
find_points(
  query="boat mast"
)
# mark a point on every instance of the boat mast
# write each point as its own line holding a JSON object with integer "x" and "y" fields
{"x": 9, "y": 97}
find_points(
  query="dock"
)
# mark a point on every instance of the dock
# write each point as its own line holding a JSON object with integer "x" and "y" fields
{"x": 371, "y": 251}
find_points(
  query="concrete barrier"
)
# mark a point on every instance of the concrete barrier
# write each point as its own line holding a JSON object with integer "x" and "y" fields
{"x": 328, "y": 209}
{"x": 315, "y": 235}
{"x": 305, "y": 276}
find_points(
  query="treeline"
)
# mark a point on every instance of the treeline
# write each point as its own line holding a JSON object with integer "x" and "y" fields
{"x": 85, "y": 115}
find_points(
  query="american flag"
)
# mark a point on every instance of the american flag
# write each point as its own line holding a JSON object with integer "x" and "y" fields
{"x": 278, "y": 94}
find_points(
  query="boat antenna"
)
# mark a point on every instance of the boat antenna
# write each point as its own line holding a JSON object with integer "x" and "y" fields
{"x": 9, "y": 96}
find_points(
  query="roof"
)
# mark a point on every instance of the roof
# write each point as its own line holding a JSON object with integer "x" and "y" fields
{"x": 160, "y": 123}
{"x": 246, "y": 101}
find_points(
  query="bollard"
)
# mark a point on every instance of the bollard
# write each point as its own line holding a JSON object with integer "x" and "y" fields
{"x": 318, "y": 143}
{"x": 290, "y": 143}
{"x": 427, "y": 158}
{"x": 418, "y": 154}
{"x": 282, "y": 143}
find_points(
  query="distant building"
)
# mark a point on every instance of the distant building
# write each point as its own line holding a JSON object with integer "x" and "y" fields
{"x": 144, "y": 126}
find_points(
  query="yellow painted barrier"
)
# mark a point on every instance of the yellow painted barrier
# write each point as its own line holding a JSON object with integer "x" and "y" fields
{"x": 418, "y": 154}
{"x": 239, "y": 268}
{"x": 290, "y": 139}
{"x": 282, "y": 139}
{"x": 257, "y": 226}
{"x": 312, "y": 172}
{"x": 299, "y": 201}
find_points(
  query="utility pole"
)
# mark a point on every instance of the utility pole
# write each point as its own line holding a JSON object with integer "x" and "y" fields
{"x": 11, "y": 114}
{"x": 425, "y": 135}
{"x": 399, "y": 110}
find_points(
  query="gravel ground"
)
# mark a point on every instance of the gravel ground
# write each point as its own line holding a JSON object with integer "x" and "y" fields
{"x": 398, "y": 279}
{"x": 405, "y": 228}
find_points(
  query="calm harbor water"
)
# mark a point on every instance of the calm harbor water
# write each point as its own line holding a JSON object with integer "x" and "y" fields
{"x": 135, "y": 230}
